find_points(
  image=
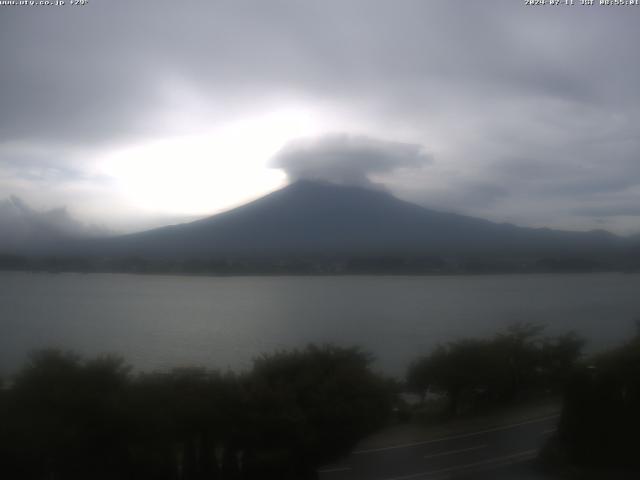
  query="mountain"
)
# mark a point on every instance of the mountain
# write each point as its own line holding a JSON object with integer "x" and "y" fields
{"x": 311, "y": 218}
{"x": 27, "y": 231}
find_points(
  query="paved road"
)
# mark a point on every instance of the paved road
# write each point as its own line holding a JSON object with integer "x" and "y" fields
{"x": 501, "y": 452}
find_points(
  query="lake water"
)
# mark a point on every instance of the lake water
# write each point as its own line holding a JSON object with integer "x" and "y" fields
{"x": 165, "y": 321}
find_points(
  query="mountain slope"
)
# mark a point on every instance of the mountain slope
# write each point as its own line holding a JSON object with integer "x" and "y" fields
{"x": 308, "y": 218}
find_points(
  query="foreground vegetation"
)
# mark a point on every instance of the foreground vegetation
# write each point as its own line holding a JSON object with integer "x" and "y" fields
{"x": 66, "y": 418}
{"x": 600, "y": 419}
{"x": 599, "y": 426}
{"x": 516, "y": 365}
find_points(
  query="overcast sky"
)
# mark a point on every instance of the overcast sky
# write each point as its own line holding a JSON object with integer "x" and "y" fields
{"x": 131, "y": 113}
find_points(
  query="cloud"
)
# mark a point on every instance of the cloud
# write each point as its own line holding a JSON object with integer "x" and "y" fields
{"x": 632, "y": 210}
{"x": 529, "y": 112}
{"x": 345, "y": 159}
{"x": 16, "y": 215}
{"x": 24, "y": 229}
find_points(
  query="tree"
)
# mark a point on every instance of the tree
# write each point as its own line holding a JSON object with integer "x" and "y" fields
{"x": 65, "y": 416}
{"x": 466, "y": 371}
{"x": 513, "y": 364}
{"x": 310, "y": 405}
{"x": 600, "y": 419}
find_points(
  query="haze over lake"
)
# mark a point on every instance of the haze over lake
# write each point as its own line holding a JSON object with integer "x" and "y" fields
{"x": 166, "y": 321}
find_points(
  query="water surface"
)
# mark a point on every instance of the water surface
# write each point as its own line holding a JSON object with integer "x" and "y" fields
{"x": 165, "y": 321}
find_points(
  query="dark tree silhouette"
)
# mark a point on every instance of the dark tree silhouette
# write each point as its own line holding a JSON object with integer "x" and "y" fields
{"x": 601, "y": 415}
{"x": 314, "y": 404}
{"x": 67, "y": 418}
{"x": 511, "y": 366}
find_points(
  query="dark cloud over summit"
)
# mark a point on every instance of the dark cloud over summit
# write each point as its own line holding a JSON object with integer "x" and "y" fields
{"x": 346, "y": 160}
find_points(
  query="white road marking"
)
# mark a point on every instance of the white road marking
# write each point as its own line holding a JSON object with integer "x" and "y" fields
{"x": 453, "y": 452}
{"x": 550, "y": 431}
{"x": 492, "y": 462}
{"x": 335, "y": 470}
{"x": 454, "y": 437}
